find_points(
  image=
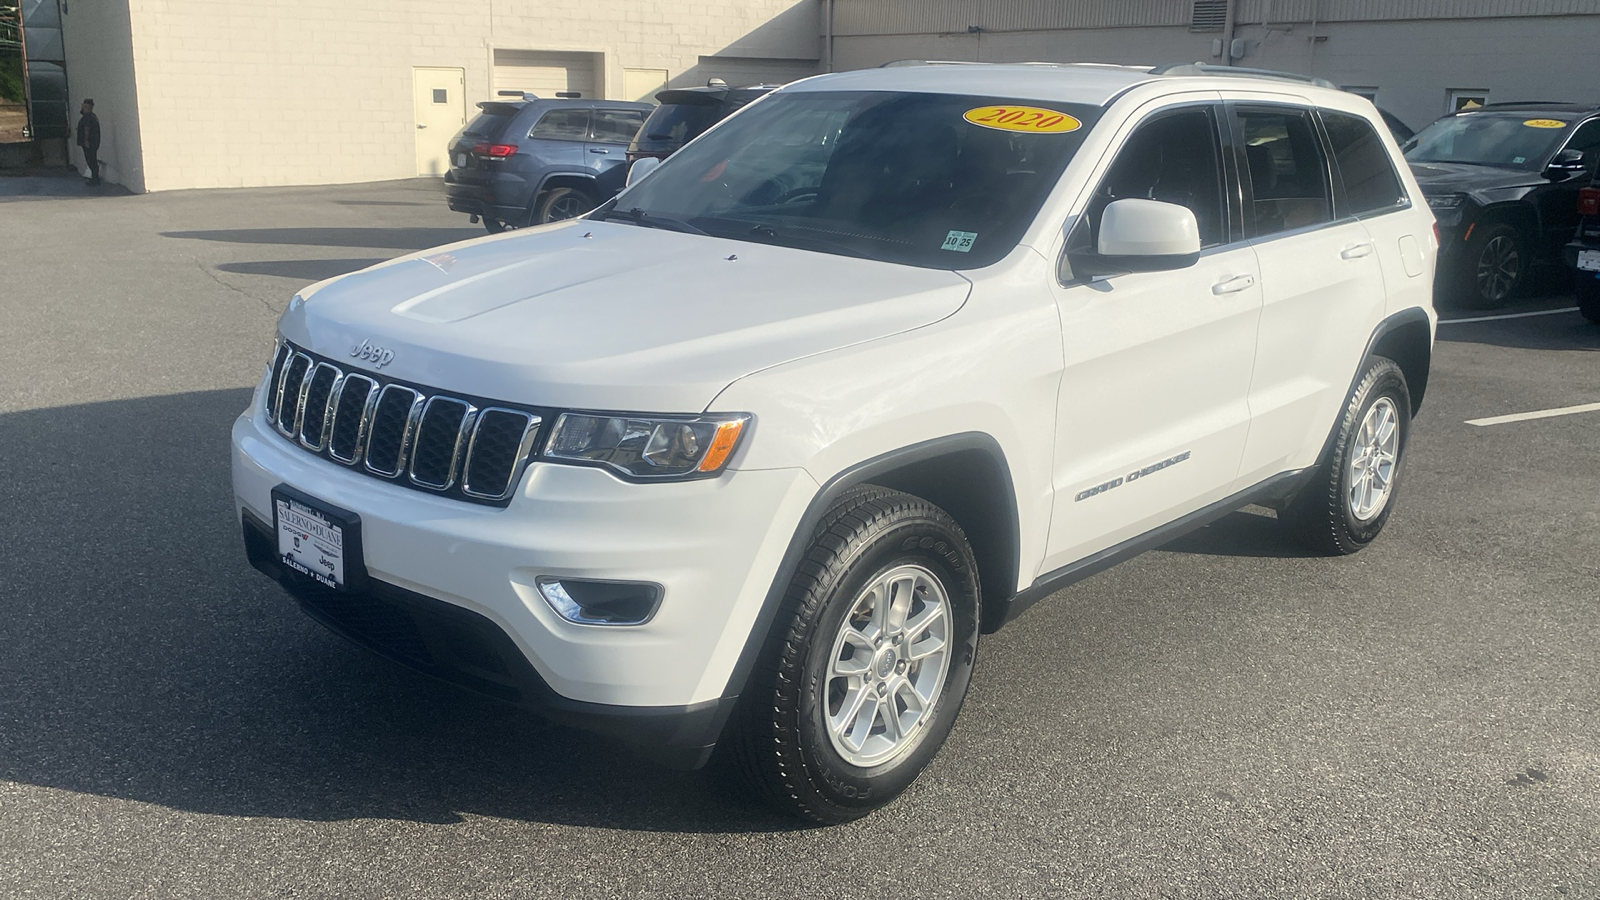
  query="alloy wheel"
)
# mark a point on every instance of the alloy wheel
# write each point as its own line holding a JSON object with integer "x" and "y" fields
{"x": 1369, "y": 473}
{"x": 888, "y": 666}
{"x": 1498, "y": 266}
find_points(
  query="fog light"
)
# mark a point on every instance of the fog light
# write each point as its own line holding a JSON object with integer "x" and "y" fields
{"x": 589, "y": 602}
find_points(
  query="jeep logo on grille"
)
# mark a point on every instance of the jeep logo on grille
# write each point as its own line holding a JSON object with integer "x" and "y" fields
{"x": 378, "y": 356}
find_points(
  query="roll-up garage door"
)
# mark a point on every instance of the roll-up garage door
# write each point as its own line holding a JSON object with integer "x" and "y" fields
{"x": 546, "y": 73}
{"x": 740, "y": 70}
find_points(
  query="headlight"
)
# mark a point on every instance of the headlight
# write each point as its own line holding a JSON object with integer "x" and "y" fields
{"x": 1446, "y": 201}
{"x": 654, "y": 447}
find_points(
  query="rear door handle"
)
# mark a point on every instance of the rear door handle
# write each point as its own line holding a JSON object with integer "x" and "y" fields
{"x": 1356, "y": 251}
{"x": 1233, "y": 285}
{"x": 598, "y": 150}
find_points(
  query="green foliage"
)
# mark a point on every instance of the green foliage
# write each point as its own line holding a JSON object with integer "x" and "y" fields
{"x": 11, "y": 90}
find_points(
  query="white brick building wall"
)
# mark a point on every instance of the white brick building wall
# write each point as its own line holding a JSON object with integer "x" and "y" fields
{"x": 234, "y": 93}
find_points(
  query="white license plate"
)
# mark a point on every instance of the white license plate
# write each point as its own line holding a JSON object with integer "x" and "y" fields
{"x": 309, "y": 543}
{"x": 461, "y": 160}
{"x": 1589, "y": 260}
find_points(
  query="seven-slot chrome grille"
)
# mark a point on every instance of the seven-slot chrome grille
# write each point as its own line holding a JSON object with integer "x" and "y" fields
{"x": 465, "y": 447}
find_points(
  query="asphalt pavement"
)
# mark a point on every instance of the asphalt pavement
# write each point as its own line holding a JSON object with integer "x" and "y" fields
{"x": 1224, "y": 717}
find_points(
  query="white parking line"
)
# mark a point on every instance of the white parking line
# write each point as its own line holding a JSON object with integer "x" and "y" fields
{"x": 1542, "y": 312}
{"x": 1537, "y": 414}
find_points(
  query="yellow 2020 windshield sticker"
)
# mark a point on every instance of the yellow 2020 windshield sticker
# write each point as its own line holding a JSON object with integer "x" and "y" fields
{"x": 1545, "y": 123}
{"x": 1026, "y": 119}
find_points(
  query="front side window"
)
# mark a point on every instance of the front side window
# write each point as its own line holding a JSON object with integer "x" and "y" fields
{"x": 1175, "y": 158}
{"x": 1513, "y": 140}
{"x": 1288, "y": 184}
{"x": 1366, "y": 174}
{"x": 617, "y": 126}
{"x": 935, "y": 180}
{"x": 562, "y": 125}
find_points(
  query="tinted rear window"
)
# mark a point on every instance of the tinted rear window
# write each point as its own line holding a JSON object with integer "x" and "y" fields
{"x": 679, "y": 123}
{"x": 487, "y": 125}
{"x": 1367, "y": 175}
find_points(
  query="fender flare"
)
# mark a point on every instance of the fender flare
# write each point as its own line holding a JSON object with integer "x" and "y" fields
{"x": 866, "y": 472}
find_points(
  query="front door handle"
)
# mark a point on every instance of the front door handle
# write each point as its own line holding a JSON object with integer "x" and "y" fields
{"x": 598, "y": 150}
{"x": 1233, "y": 285}
{"x": 1356, "y": 251}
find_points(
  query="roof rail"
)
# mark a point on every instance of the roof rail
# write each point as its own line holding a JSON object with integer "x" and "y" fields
{"x": 900, "y": 63}
{"x": 1205, "y": 69}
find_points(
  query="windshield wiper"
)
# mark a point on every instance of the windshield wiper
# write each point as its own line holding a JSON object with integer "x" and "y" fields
{"x": 651, "y": 220}
{"x": 773, "y": 236}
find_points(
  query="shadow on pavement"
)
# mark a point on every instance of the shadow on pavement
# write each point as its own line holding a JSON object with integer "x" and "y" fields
{"x": 1242, "y": 533}
{"x": 1557, "y": 331}
{"x": 417, "y": 238}
{"x": 144, "y": 660}
{"x": 302, "y": 269}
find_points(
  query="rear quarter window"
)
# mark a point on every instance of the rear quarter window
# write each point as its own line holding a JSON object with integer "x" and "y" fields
{"x": 1366, "y": 176}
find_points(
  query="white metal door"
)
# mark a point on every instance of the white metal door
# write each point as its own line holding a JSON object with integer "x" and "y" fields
{"x": 441, "y": 108}
{"x": 1152, "y": 414}
{"x": 1322, "y": 289}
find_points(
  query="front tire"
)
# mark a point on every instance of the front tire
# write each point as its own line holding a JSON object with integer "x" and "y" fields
{"x": 1493, "y": 266}
{"x": 868, "y": 661}
{"x": 1350, "y": 495}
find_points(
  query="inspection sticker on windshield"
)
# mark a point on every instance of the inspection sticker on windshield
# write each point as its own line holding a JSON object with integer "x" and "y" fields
{"x": 1028, "y": 119}
{"x": 959, "y": 241}
{"x": 1545, "y": 123}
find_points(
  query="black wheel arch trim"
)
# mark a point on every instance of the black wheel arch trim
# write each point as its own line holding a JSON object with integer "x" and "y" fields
{"x": 997, "y": 580}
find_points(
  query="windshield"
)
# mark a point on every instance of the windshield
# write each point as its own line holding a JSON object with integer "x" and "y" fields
{"x": 1515, "y": 141}
{"x": 932, "y": 180}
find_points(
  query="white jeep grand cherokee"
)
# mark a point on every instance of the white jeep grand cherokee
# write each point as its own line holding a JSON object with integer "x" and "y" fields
{"x": 750, "y": 456}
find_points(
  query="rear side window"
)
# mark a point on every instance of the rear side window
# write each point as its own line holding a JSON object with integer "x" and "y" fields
{"x": 1365, "y": 171}
{"x": 562, "y": 125}
{"x": 617, "y": 126}
{"x": 1288, "y": 179}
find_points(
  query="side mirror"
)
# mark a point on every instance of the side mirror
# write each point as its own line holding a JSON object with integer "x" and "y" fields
{"x": 1141, "y": 236}
{"x": 640, "y": 169}
{"x": 1566, "y": 164}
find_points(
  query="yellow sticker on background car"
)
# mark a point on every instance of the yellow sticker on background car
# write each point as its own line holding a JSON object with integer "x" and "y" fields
{"x": 1026, "y": 119}
{"x": 1545, "y": 123}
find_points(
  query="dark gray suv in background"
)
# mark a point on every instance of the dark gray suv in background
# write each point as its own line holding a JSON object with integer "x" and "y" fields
{"x": 532, "y": 161}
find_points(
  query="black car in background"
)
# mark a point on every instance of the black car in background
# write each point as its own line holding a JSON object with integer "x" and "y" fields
{"x": 532, "y": 161}
{"x": 686, "y": 113}
{"x": 1583, "y": 254}
{"x": 1503, "y": 182}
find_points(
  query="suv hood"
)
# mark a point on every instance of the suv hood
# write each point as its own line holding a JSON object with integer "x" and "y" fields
{"x": 1460, "y": 178}
{"x": 598, "y": 315}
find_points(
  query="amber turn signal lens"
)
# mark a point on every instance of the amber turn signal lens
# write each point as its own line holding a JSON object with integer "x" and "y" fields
{"x": 722, "y": 444}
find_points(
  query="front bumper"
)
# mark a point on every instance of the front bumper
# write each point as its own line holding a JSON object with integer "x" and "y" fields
{"x": 463, "y": 576}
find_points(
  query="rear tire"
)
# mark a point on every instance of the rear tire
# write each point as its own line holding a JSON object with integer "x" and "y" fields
{"x": 867, "y": 663}
{"x": 1587, "y": 291}
{"x": 1349, "y": 497}
{"x": 561, "y": 203}
{"x": 493, "y": 225}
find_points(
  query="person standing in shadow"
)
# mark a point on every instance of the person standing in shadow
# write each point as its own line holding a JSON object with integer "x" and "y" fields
{"x": 89, "y": 140}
